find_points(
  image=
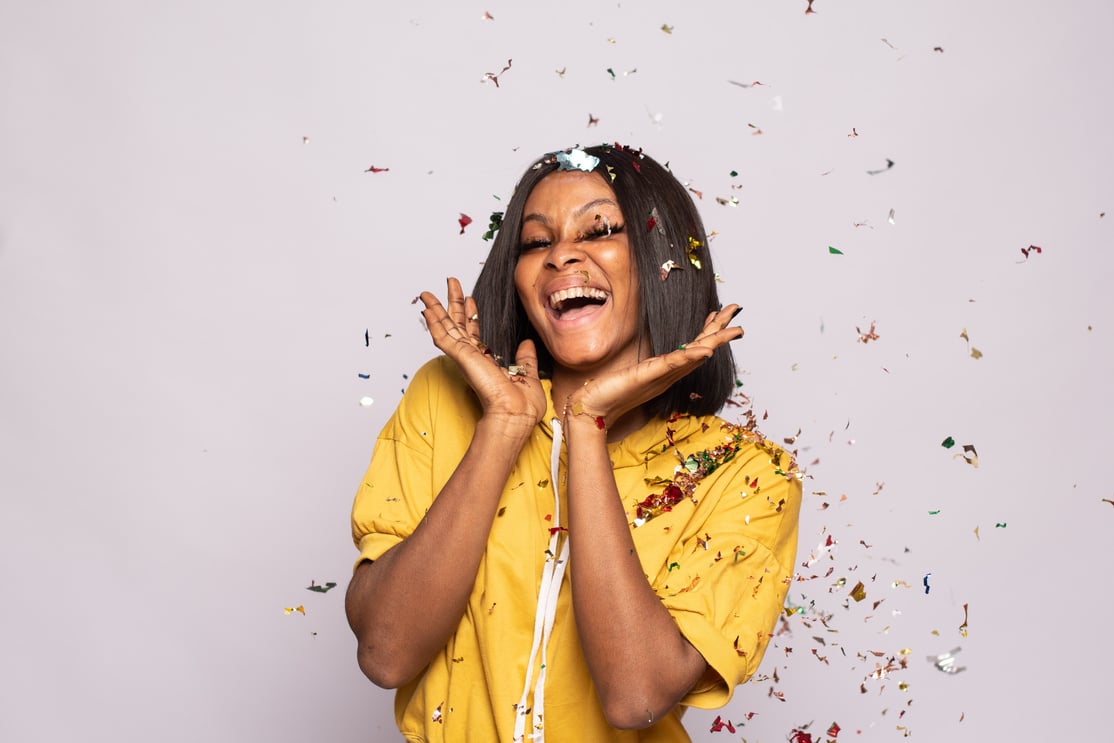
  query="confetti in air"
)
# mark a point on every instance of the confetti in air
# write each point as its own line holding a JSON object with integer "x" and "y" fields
{"x": 494, "y": 76}
{"x": 889, "y": 164}
{"x": 464, "y": 221}
{"x": 321, "y": 589}
{"x": 373, "y": 169}
{"x": 946, "y": 662}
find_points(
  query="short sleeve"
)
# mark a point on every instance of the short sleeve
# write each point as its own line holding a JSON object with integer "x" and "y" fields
{"x": 726, "y": 583}
{"x": 406, "y": 473}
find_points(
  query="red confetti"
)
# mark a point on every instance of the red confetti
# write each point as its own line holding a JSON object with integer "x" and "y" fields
{"x": 869, "y": 335}
{"x": 807, "y": 11}
{"x": 719, "y": 724}
{"x": 374, "y": 169}
{"x": 800, "y": 736}
{"x": 1032, "y": 248}
{"x": 833, "y": 731}
{"x": 464, "y": 221}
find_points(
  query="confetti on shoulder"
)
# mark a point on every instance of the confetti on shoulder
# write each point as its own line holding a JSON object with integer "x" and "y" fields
{"x": 321, "y": 589}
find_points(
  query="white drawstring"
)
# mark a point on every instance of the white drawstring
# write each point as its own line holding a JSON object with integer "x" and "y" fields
{"x": 553, "y": 572}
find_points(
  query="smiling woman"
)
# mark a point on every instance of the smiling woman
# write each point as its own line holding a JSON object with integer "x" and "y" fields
{"x": 558, "y": 537}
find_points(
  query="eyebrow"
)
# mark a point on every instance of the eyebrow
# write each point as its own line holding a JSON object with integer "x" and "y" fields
{"x": 579, "y": 212}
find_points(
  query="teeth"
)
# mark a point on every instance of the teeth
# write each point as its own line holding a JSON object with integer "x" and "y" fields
{"x": 576, "y": 292}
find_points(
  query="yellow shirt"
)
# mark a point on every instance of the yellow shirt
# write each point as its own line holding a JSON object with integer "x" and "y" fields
{"x": 721, "y": 560}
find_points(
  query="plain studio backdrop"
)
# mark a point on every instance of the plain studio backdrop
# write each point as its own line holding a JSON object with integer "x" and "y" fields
{"x": 215, "y": 217}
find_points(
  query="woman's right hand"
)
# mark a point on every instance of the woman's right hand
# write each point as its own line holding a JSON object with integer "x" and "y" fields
{"x": 514, "y": 393}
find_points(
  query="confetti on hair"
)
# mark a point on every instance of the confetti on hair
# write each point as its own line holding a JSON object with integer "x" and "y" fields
{"x": 668, "y": 266}
{"x": 576, "y": 159}
{"x": 869, "y": 335}
{"x": 321, "y": 589}
{"x": 494, "y": 76}
{"x": 464, "y": 221}
{"x": 493, "y": 225}
{"x": 299, "y": 608}
{"x": 1031, "y": 249}
{"x": 889, "y": 164}
{"x": 373, "y": 169}
{"x": 691, "y": 250}
{"x": 832, "y": 250}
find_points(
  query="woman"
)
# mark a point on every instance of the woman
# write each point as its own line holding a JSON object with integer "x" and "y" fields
{"x": 558, "y": 539}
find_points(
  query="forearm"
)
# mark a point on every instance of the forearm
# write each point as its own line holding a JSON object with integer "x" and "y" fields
{"x": 640, "y": 663}
{"x": 404, "y": 606}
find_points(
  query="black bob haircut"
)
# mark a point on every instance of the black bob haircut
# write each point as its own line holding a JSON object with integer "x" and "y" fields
{"x": 662, "y": 224}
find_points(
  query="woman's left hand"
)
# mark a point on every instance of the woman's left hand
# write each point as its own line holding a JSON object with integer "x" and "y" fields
{"x": 614, "y": 394}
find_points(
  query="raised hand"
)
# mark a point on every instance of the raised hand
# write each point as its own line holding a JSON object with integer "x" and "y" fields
{"x": 513, "y": 392}
{"x": 616, "y": 393}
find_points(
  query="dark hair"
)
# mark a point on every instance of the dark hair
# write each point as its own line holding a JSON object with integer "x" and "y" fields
{"x": 662, "y": 224}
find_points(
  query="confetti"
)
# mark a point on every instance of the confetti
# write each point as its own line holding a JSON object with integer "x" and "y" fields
{"x": 869, "y": 335}
{"x": 464, "y": 221}
{"x": 834, "y": 250}
{"x": 366, "y": 402}
{"x": 361, "y": 375}
{"x": 833, "y": 730}
{"x": 719, "y": 724}
{"x": 963, "y": 627}
{"x": 691, "y": 250}
{"x": 948, "y": 443}
{"x": 858, "y": 592}
{"x": 969, "y": 455}
{"x": 300, "y": 609}
{"x": 493, "y": 225}
{"x": 891, "y": 217}
{"x": 488, "y": 16}
{"x": 1031, "y": 249}
{"x": 667, "y": 267}
{"x": 373, "y": 169}
{"x": 367, "y": 338}
{"x": 927, "y": 587}
{"x": 756, "y": 131}
{"x": 592, "y": 120}
{"x": 494, "y": 76}
{"x": 321, "y": 589}
{"x": 854, "y": 133}
{"x": 889, "y": 164}
{"x": 612, "y": 73}
{"x": 808, "y": 11}
{"x": 575, "y": 159}
{"x": 669, "y": 30}
{"x": 1108, "y": 500}
{"x": 1000, "y": 525}
{"x": 746, "y": 85}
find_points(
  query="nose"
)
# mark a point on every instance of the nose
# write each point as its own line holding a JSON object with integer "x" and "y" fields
{"x": 563, "y": 253}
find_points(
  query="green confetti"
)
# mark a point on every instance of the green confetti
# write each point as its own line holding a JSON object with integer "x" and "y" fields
{"x": 948, "y": 443}
{"x": 933, "y": 513}
{"x": 734, "y": 173}
{"x": 611, "y": 72}
{"x": 1000, "y": 525}
{"x": 493, "y": 225}
{"x": 834, "y": 250}
{"x": 674, "y": 566}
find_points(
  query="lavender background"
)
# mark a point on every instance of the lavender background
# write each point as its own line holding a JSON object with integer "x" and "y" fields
{"x": 191, "y": 251}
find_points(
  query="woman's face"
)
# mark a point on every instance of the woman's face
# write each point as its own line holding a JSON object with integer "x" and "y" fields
{"x": 575, "y": 275}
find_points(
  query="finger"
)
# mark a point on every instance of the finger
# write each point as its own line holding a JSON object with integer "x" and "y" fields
{"x": 456, "y": 302}
{"x": 473, "y": 319}
{"x": 526, "y": 357}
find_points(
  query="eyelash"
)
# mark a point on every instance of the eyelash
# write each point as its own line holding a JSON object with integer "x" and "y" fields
{"x": 594, "y": 234}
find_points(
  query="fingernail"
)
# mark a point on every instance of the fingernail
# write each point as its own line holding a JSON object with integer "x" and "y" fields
{"x": 736, "y": 312}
